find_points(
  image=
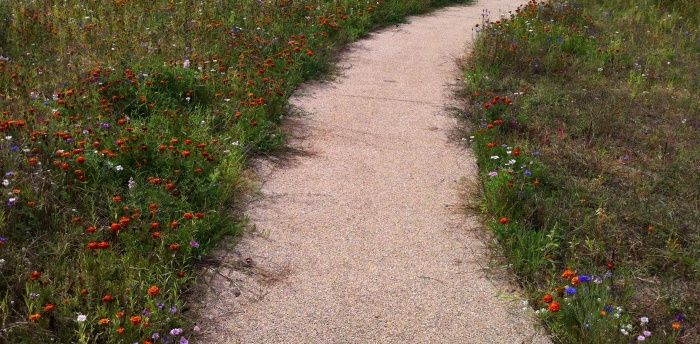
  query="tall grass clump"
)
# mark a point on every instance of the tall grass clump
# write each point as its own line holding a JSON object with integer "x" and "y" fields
{"x": 125, "y": 127}
{"x": 586, "y": 123}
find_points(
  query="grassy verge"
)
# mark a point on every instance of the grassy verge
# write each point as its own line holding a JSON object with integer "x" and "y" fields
{"x": 586, "y": 118}
{"x": 125, "y": 127}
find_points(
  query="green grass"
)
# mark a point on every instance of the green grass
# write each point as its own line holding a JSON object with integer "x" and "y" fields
{"x": 126, "y": 127}
{"x": 600, "y": 99}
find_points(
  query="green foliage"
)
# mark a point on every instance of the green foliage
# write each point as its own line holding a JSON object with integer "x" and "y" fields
{"x": 604, "y": 116}
{"x": 126, "y": 127}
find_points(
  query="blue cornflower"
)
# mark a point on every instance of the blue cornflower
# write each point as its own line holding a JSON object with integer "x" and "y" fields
{"x": 173, "y": 310}
{"x": 570, "y": 290}
{"x": 3, "y": 240}
{"x": 584, "y": 278}
{"x": 528, "y": 173}
{"x": 608, "y": 309}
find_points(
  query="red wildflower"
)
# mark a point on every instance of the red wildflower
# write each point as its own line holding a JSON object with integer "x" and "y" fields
{"x": 554, "y": 307}
{"x": 35, "y": 317}
{"x": 135, "y": 320}
{"x": 35, "y": 275}
{"x": 49, "y": 307}
{"x": 80, "y": 160}
{"x": 115, "y": 227}
{"x": 504, "y": 220}
{"x": 107, "y": 298}
{"x": 568, "y": 274}
{"x": 153, "y": 291}
{"x": 188, "y": 216}
{"x": 548, "y": 298}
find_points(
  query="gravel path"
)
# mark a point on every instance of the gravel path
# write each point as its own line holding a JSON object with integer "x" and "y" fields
{"x": 360, "y": 236}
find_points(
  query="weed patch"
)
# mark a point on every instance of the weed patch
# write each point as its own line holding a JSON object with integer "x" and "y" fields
{"x": 125, "y": 128}
{"x": 585, "y": 117}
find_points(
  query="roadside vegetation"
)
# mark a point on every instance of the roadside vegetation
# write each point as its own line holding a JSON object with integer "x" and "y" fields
{"x": 126, "y": 125}
{"x": 586, "y": 121}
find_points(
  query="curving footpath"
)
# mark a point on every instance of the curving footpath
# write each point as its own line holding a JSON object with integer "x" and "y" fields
{"x": 360, "y": 236}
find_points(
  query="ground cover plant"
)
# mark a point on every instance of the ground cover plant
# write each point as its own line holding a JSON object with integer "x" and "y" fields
{"x": 125, "y": 127}
{"x": 586, "y": 123}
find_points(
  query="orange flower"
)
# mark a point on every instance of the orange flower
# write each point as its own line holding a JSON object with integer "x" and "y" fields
{"x": 49, "y": 307}
{"x": 504, "y": 220}
{"x": 155, "y": 225}
{"x": 103, "y": 321}
{"x": 107, "y": 298}
{"x": 174, "y": 224}
{"x": 155, "y": 235}
{"x": 121, "y": 330}
{"x": 120, "y": 314}
{"x": 548, "y": 298}
{"x": 115, "y": 227}
{"x": 117, "y": 199}
{"x": 35, "y": 317}
{"x": 676, "y": 326}
{"x": 135, "y": 320}
{"x": 199, "y": 215}
{"x": 174, "y": 247}
{"x": 574, "y": 281}
{"x": 91, "y": 229}
{"x": 80, "y": 160}
{"x": 554, "y": 307}
{"x": 188, "y": 216}
{"x": 185, "y": 153}
{"x": 35, "y": 275}
{"x": 568, "y": 274}
{"x": 153, "y": 291}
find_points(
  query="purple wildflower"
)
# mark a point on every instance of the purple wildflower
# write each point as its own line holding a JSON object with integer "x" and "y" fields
{"x": 176, "y": 332}
{"x": 570, "y": 290}
{"x": 194, "y": 244}
{"x": 184, "y": 340}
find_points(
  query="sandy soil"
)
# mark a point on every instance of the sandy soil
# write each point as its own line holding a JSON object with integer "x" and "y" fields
{"x": 359, "y": 235}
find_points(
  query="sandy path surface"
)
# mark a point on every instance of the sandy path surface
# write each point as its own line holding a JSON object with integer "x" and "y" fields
{"x": 360, "y": 237}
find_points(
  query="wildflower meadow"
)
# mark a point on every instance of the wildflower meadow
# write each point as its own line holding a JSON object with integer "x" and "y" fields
{"x": 126, "y": 126}
{"x": 586, "y": 118}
